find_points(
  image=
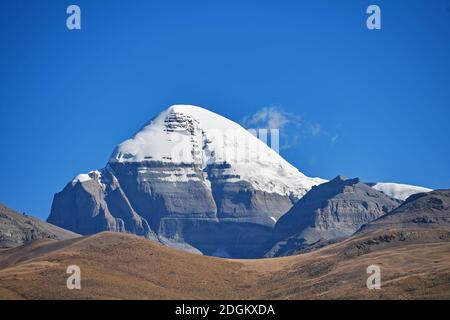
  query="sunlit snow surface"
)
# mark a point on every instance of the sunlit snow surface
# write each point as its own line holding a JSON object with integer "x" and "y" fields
{"x": 190, "y": 134}
{"x": 184, "y": 134}
{"x": 399, "y": 191}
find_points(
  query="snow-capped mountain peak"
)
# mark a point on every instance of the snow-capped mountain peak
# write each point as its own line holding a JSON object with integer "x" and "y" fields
{"x": 186, "y": 134}
{"x": 191, "y": 177}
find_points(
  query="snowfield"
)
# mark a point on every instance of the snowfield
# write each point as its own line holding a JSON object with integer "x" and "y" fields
{"x": 399, "y": 191}
{"x": 185, "y": 134}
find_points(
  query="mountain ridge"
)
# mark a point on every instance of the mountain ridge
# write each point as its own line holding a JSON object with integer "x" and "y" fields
{"x": 192, "y": 178}
{"x": 328, "y": 212}
{"x": 17, "y": 229}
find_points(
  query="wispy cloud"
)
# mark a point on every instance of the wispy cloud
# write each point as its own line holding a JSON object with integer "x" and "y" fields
{"x": 269, "y": 118}
{"x": 292, "y": 127}
{"x": 315, "y": 129}
{"x": 334, "y": 139}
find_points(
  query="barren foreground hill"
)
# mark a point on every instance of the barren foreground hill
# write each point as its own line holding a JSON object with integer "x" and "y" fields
{"x": 414, "y": 264}
{"x": 17, "y": 229}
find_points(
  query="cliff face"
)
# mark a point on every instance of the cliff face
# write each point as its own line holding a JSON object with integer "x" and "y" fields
{"x": 213, "y": 216}
{"x": 17, "y": 229}
{"x": 190, "y": 176}
{"x": 88, "y": 206}
{"x": 423, "y": 210}
{"x": 328, "y": 212}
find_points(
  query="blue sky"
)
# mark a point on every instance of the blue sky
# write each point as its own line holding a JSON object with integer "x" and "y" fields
{"x": 372, "y": 104}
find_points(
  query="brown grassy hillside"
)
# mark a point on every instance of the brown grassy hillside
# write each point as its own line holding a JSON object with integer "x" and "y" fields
{"x": 415, "y": 264}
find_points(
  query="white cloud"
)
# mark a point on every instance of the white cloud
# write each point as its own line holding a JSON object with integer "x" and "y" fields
{"x": 315, "y": 129}
{"x": 269, "y": 118}
{"x": 292, "y": 127}
{"x": 334, "y": 139}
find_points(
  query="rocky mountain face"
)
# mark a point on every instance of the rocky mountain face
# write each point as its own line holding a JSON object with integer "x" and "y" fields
{"x": 423, "y": 218}
{"x": 194, "y": 180}
{"x": 423, "y": 210}
{"x": 330, "y": 211}
{"x": 17, "y": 229}
{"x": 189, "y": 177}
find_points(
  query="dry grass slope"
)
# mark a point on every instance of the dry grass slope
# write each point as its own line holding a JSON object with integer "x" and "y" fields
{"x": 120, "y": 266}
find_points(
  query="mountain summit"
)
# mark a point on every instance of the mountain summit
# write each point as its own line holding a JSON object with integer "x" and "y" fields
{"x": 333, "y": 210}
{"x": 189, "y": 177}
{"x": 191, "y": 135}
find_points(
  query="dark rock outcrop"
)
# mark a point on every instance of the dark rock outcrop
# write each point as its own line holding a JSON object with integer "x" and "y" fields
{"x": 17, "y": 229}
{"x": 423, "y": 210}
{"x": 217, "y": 217}
{"x": 330, "y": 211}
